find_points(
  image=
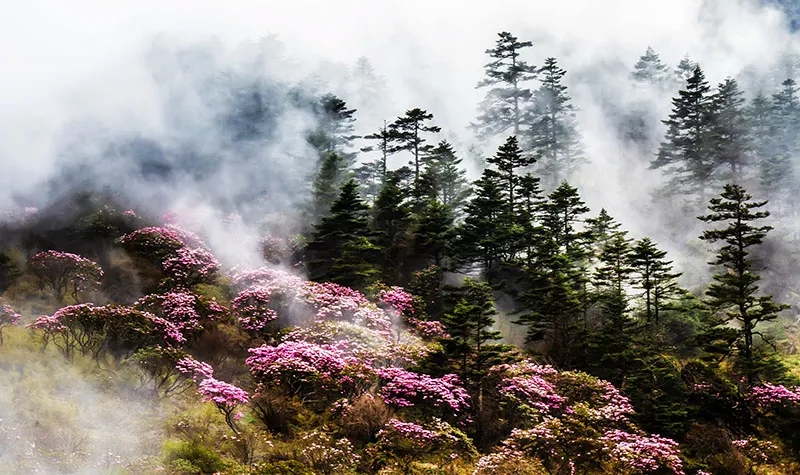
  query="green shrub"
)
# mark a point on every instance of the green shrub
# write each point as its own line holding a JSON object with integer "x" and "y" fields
{"x": 192, "y": 458}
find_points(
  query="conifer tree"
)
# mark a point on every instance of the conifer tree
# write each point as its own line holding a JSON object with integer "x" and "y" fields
{"x": 684, "y": 70}
{"x": 406, "y": 132}
{"x": 469, "y": 325}
{"x": 335, "y": 129}
{"x": 654, "y": 277}
{"x": 507, "y": 161}
{"x": 327, "y": 183}
{"x": 434, "y": 231}
{"x": 484, "y": 233}
{"x": 553, "y": 135}
{"x": 554, "y": 306}
{"x": 444, "y": 179}
{"x": 730, "y": 132}
{"x": 391, "y": 223}
{"x": 340, "y": 249}
{"x": 384, "y": 140}
{"x": 528, "y": 216}
{"x": 650, "y": 70}
{"x": 734, "y": 293}
{"x": 686, "y": 152}
{"x": 602, "y": 228}
{"x": 786, "y": 117}
{"x": 507, "y": 98}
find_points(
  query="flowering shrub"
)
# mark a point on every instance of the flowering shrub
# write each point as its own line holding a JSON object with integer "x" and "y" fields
{"x": 397, "y": 299}
{"x": 757, "y": 451}
{"x": 251, "y": 309}
{"x": 186, "y": 311}
{"x": 158, "y": 243}
{"x": 774, "y": 395}
{"x": 63, "y": 271}
{"x": 309, "y": 370}
{"x": 571, "y": 419}
{"x": 327, "y": 455}
{"x": 195, "y": 369}
{"x": 225, "y": 396}
{"x": 642, "y": 454}
{"x": 402, "y": 389}
{"x": 8, "y": 316}
{"x": 191, "y": 266}
{"x": 406, "y": 442}
{"x": 118, "y": 330}
{"x": 428, "y": 328}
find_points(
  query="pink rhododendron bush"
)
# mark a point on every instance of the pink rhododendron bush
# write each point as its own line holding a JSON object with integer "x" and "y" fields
{"x": 572, "y": 421}
{"x": 63, "y": 272}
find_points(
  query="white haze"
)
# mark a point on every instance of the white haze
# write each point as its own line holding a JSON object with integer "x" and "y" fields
{"x": 108, "y": 69}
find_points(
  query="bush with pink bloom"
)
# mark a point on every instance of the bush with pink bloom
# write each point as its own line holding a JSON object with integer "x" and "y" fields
{"x": 62, "y": 272}
{"x": 8, "y": 316}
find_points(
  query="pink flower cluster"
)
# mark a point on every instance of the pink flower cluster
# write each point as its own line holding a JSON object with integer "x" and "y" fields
{"x": 252, "y": 310}
{"x": 402, "y": 388}
{"x": 222, "y": 393}
{"x": 397, "y": 431}
{"x": 59, "y": 270}
{"x": 759, "y": 451}
{"x": 642, "y": 453}
{"x": 197, "y": 369}
{"x": 300, "y": 366}
{"x": 8, "y": 316}
{"x": 533, "y": 392}
{"x": 771, "y": 395}
{"x": 178, "y": 308}
{"x": 398, "y": 299}
{"x": 326, "y": 301}
{"x": 191, "y": 266}
{"x": 428, "y": 328}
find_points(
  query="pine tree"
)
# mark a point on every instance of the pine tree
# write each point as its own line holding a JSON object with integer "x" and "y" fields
{"x": 340, "y": 249}
{"x": 733, "y": 294}
{"x": 786, "y": 117}
{"x": 507, "y": 161}
{"x": 406, "y": 132}
{"x": 483, "y": 235}
{"x": 555, "y": 303}
{"x": 654, "y": 277}
{"x": 528, "y": 216}
{"x": 444, "y": 179}
{"x": 391, "y": 223}
{"x": 434, "y": 231}
{"x": 327, "y": 183}
{"x": 384, "y": 139}
{"x": 730, "y": 132}
{"x": 650, "y": 70}
{"x": 562, "y": 216}
{"x": 686, "y": 151}
{"x": 335, "y": 129}
{"x": 602, "y": 229}
{"x": 470, "y": 328}
{"x": 685, "y": 70}
{"x": 507, "y": 98}
{"x": 553, "y": 135}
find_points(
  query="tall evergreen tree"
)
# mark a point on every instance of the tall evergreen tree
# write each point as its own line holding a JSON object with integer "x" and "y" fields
{"x": 730, "y": 132}
{"x": 685, "y": 70}
{"x": 483, "y": 235}
{"x": 406, "y": 132}
{"x": 340, "y": 249}
{"x": 734, "y": 293}
{"x": 507, "y": 161}
{"x": 654, "y": 277}
{"x": 686, "y": 151}
{"x": 335, "y": 128}
{"x": 327, "y": 183}
{"x": 650, "y": 70}
{"x": 434, "y": 232}
{"x": 553, "y": 135}
{"x": 507, "y": 98}
{"x": 391, "y": 223}
{"x": 528, "y": 217}
{"x": 444, "y": 179}
{"x": 384, "y": 140}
